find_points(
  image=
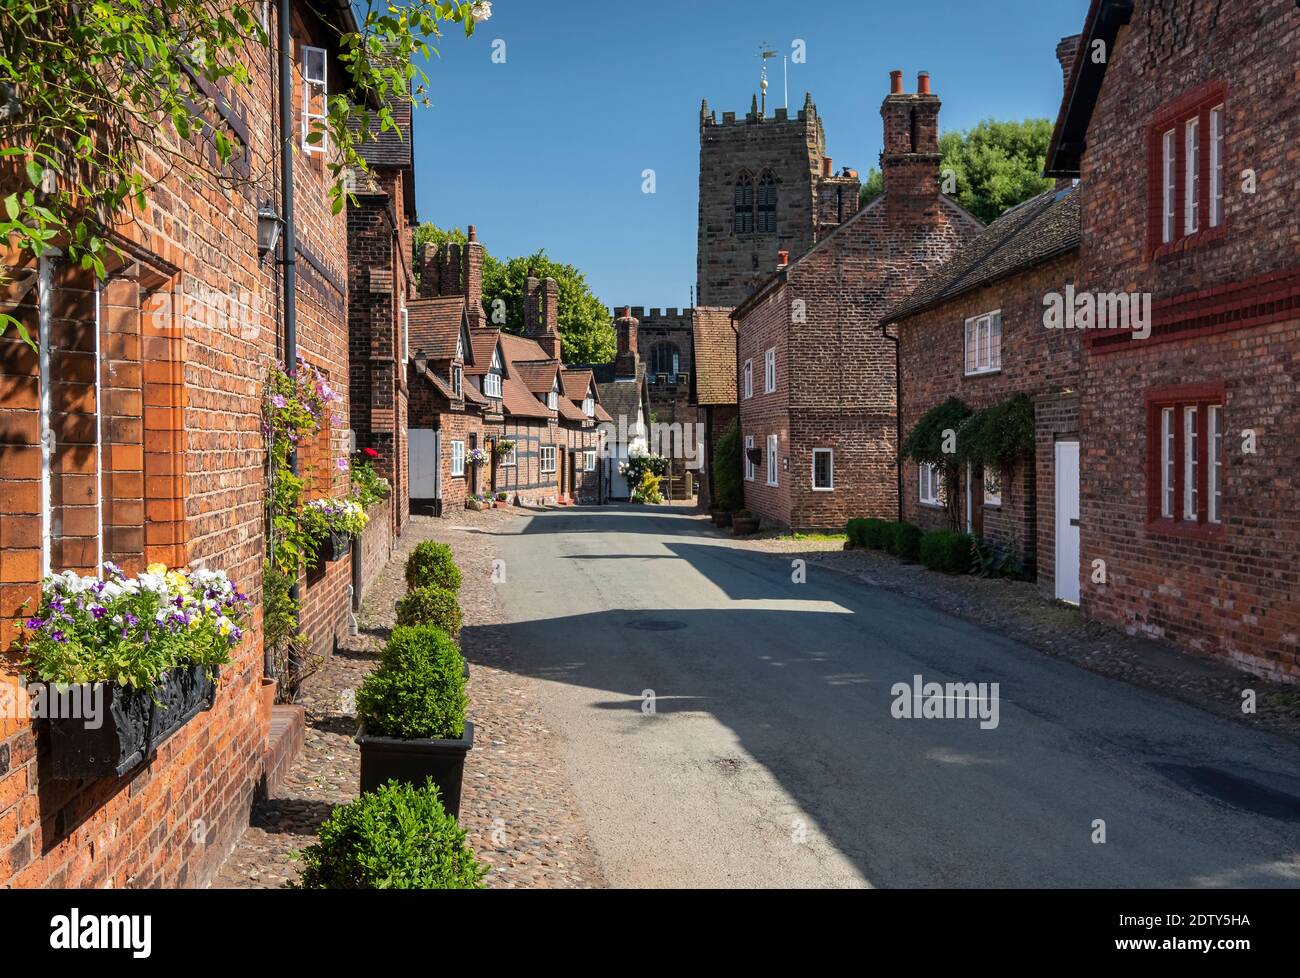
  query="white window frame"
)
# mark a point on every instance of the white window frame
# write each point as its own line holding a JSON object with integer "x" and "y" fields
{"x": 749, "y": 379}
{"x": 769, "y": 371}
{"x": 987, "y": 354}
{"x": 992, "y": 498}
{"x": 830, "y": 471}
{"x": 510, "y": 458}
{"x": 1192, "y": 177}
{"x": 1169, "y": 169}
{"x": 589, "y": 460}
{"x": 548, "y": 452}
{"x": 1214, "y": 468}
{"x": 773, "y": 470}
{"x": 751, "y": 470}
{"x": 1216, "y": 166}
{"x": 406, "y": 334}
{"x": 492, "y": 385}
{"x": 1191, "y": 463}
{"x": 457, "y": 380}
{"x": 929, "y": 478}
{"x": 457, "y": 458}
{"x": 553, "y": 399}
{"x": 320, "y": 83}
{"x": 589, "y": 406}
{"x": 1167, "y": 463}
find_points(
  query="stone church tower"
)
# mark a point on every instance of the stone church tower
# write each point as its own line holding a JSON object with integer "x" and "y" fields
{"x": 766, "y": 186}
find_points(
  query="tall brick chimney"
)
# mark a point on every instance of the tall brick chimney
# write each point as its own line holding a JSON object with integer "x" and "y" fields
{"x": 625, "y": 364}
{"x": 542, "y": 313}
{"x": 1067, "y": 51}
{"x": 429, "y": 271}
{"x": 910, "y": 160}
{"x": 473, "y": 270}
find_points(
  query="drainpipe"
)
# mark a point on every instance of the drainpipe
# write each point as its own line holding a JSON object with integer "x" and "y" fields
{"x": 898, "y": 416}
{"x": 44, "y": 287}
{"x": 289, "y": 237}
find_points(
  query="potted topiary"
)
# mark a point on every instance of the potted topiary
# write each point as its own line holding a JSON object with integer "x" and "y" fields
{"x": 398, "y": 837}
{"x": 744, "y": 522}
{"x": 126, "y": 662}
{"x": 411, "y": 712}
{"x": 431, "y": 606}
{"x": 431, "y": 565}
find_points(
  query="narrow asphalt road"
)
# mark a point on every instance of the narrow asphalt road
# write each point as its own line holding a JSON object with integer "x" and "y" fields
{"x": 772, "y": 757}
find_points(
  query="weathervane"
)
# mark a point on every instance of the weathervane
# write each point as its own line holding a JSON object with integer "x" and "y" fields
{"x": 764, "y": 53}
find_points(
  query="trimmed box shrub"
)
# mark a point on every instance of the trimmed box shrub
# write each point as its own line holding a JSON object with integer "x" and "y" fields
{"x": 418, "y": 691}
{"x": 397, "y": 838}
{"x": 946, "y": 551}
{"x": 854, "y": 531}
{"x": 431, "y": 606}
{"x": 903, "y": 540}
{"x": 875, "y": 533}
{"x": 431, "y": 565}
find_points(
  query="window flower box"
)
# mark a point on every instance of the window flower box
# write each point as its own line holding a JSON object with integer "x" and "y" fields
{"x": 333, "y": 547}
{"x": 124, "y": 663}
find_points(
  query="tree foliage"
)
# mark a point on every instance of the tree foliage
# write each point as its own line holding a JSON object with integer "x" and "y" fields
{"x": 994, "y": 166}
{"x": 586, "y": 330}
{"x": 88, "y": 92}
{"x": 727, "y": 487}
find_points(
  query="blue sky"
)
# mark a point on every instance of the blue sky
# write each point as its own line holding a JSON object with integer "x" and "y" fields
{"x": 547, "y": 149}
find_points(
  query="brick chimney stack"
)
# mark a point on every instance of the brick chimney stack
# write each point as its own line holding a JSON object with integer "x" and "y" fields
{"x": 625, "y": 364}
{"x": 429, "y": 271}
{"x": 910, "y": 160}
{"x": 1067, "y": 51}
{"x": 472, "y": 260}
{"x": 542, "y": 313}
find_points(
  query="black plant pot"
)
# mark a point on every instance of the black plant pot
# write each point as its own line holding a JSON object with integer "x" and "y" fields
{"x": 411, "y": 762}
{"x": 334, "y": 547}
{"x": 131, "y": 726}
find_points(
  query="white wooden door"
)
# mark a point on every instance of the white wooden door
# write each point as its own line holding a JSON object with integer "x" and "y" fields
{"x": 1067, "y": 521}
{"x": 422, "y": 463}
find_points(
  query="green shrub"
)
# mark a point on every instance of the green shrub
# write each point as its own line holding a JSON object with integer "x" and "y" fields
{"x": 728, "y": 487}
{"x": 903, "y": 540}
{"x": 431, "y": 565}
{"x": 854, "y": 531}
{"x": 397, "y": 838}
{"x": 431, "y": 606}
{"x": 418, "y": 690}
{"x": 874, "y": 533}
{"x": 946, "y": 551}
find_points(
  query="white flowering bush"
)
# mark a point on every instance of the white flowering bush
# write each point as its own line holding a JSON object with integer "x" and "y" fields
{"x": 130, "y": 630}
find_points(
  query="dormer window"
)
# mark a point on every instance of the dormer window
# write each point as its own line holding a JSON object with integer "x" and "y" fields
{"x": 553, "y": 399}
{"x": 589, "y": 406}
{"x": 457, "y": 380}
{"x": 492, "y": 385}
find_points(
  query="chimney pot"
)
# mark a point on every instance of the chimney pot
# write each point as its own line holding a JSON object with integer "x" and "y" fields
{"x": 782, "y": 259}
{"x": 896, "y": 82}
{"x": 473, "y": 235}
{"x": 627, "y": 312}
{"x": 828, "y": 167}
{"x": 923, "y": 83}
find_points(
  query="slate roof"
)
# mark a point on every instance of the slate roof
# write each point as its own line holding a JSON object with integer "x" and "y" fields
{"x": 715, "y": 356}
{"x": 435, "y": 325}
{"x": 1028, "y": 234}
{"x": 622, "y": 397}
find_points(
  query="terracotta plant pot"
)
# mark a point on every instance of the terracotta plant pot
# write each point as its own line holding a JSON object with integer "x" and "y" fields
{"x": 721, "y": 519}
{"x": 267, "y": 703}
{"x": 742, "y": 525}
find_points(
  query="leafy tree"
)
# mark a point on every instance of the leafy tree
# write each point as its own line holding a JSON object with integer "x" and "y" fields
{"x": 728, "y": 491}
{"x": 994, "y": 166}
{"x": 88, "y": 92}
{"x": 586, "y": 331}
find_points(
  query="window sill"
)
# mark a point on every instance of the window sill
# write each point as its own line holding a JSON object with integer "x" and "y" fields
{"x": 823, "y": 488}
{"x": 1166, "y": 252}
{"x": 924, "y": 505}
{"x": 997, "y": 505}
{"x": 975, "y": 374}
{"x": 1184, "y": 528}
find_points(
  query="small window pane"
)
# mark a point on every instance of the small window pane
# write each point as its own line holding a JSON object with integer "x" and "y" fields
{"x": 1215, "y": 473}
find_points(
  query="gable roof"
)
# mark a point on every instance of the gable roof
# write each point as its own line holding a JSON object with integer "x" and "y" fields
{"x": 575, "y": 382}
{"x": 622, "y": 398}
{"x": 1069, "y": 137}
{"x": 537, "y": 377}
{"x": 714, "y": 339}
{"x": 1026, "y": 235}
{"x": 436, "y": 325}
{"x": 484, "y": 343}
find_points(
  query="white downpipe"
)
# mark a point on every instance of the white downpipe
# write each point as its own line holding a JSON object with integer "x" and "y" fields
{"x": 44, "y": 287}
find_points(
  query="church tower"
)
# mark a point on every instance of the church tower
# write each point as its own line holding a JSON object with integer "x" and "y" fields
{"x": 766, "y": 186}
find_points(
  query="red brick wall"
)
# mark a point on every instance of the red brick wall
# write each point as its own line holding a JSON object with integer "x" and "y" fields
{"x": 1231, "y": 592}
{"x": 765, "y": 414}
{"x": 185, "y": 355}
{"x": 1035, "y": 361}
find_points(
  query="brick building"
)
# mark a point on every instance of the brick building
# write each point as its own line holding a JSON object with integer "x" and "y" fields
{"x": 973, "y": 330}
{"x": 816, "y": 377}
{"x": 153, "y": 427}
{"x": 1184, "y": 139}
{"x": 478, "y": 387}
